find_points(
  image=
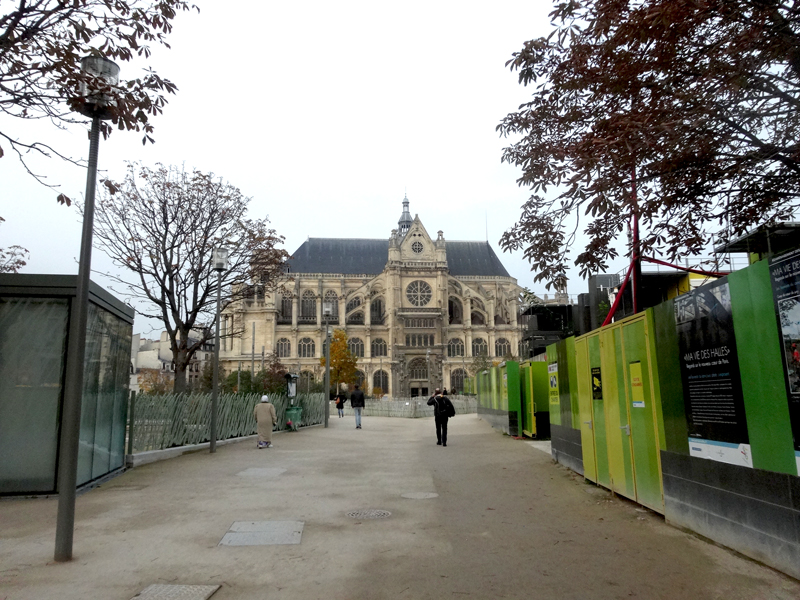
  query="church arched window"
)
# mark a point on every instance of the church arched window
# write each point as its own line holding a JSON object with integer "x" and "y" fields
{"x": 376, "y": 312}
{"x": 455, "y": 347}
{"x": 306, "y": 348}
{"x": 418, "y": 369}
{"x": 378, "y": 347}
{"x": 480, "y": 347}
{"x": 356, "y": 347}
{"x": 455, "y": 311}
{"x": 283, "y": 348}
{"x": 457, "y": 378}
{"x": 308, "y": 306}
{"x": 332, "y": 299}
{"x": 353, "y": 304}
{"x": 502, "y": 347}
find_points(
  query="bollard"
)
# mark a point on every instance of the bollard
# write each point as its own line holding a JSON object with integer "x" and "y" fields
{"x": 131, "y": 417}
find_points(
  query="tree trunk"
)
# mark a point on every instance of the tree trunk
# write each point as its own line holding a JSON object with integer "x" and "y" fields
{"x": 181, "y": 358}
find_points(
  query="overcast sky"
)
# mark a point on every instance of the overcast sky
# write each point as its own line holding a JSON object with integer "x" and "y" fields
{"x": 325, "y": 114}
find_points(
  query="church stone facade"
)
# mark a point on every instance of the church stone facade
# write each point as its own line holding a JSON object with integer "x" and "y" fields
{"x": 416, "y": 310}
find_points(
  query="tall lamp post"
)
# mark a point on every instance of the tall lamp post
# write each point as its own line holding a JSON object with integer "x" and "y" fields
{"x": 219, "y": 262}
{"x": 428, "y": 361}
{"x": 95, "y": 106}
{"x": 327, "y": 309}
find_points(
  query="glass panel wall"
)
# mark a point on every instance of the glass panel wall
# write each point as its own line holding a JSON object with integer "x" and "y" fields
{"x": 105, "y": 390}
{"x": 33, "y": 333}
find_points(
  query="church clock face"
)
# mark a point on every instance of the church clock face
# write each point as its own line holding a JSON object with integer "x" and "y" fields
{"x": 417, "y": 247}
{"x": 418, "y": 293}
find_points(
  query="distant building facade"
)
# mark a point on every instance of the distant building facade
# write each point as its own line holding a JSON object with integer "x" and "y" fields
{"x": 157, "y": 355}
{"x": 416, "y": 310}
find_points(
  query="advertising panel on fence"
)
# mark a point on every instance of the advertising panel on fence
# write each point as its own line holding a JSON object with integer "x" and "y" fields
{"x": 555, "y": 401}
{"x": 784, "y": 272}
{"x": 712, "y": 386}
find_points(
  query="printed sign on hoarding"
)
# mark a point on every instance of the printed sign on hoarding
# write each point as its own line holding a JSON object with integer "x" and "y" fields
{"x": 784, "y": 272}
{"x": 552, "y": 375}
{"x": 597, "y": 384}
{"x": 712, "y": 386}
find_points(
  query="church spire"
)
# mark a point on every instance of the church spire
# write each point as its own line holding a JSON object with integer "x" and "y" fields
{"x": 404, "y": 224}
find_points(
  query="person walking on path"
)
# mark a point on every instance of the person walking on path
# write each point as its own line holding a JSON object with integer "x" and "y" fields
{"x": 443, "y": 409}
{"x": 340, "y": 400}
{"x": 266, "y": 417}
{"x": 357, "y": 402}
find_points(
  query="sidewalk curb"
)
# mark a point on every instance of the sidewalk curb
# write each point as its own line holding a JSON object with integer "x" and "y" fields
{"x": 151, "y": 456}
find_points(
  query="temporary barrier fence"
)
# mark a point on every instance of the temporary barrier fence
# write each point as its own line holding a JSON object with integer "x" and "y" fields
{"x": 170, "y": 420}
{"x": 410, "y": 408}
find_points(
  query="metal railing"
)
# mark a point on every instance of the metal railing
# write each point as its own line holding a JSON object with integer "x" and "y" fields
{"x": 410, "y": 408}
{"x": 166, "y": 421}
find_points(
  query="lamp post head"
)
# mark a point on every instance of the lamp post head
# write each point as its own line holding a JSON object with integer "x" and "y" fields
{"x": 106, "y": 72}
{"x": 219, "y": 259}
{"x": 327, "y": 309}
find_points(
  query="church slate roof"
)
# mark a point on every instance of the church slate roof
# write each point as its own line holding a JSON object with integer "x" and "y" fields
{"x": 340, "y": 255}
{"x": 474, "y": 258}
{"x": 369, "y": 257}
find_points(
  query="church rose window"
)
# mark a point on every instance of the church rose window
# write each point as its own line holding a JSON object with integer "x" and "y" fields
{"x": 416, "y": 247}
{"x": 419, "y": 293}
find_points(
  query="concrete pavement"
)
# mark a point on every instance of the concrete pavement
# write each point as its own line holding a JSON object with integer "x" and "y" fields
{"x": 507, "y": 523}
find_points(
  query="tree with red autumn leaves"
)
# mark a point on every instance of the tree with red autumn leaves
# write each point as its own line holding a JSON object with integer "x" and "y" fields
{"x": 695, "y": 102}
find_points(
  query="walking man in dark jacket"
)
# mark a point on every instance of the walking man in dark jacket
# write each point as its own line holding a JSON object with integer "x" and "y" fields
{"x": 442, "y": 409}
{"x": 357, "y": 402}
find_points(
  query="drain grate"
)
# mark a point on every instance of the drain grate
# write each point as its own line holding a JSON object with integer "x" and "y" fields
{"x": 369, "y": 513}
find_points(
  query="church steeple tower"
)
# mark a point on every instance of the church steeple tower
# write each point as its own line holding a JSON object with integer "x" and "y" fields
{"x": 405, "y": 221}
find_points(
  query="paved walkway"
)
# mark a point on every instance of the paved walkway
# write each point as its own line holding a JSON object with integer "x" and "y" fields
{"x": 507, "y": 523}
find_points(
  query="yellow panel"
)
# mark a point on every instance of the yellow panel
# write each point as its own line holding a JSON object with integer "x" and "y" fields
{"x": 614, "y": 391}
{"x": 585, "y": 409}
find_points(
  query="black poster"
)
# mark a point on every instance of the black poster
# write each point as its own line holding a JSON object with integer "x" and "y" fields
{"x": 597, "y": 384}
{"x": 712, "y": 387}
{"x": 784, "y": 271}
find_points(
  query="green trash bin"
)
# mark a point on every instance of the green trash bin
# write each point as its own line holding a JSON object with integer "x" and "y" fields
{"x": 293, "y": 415}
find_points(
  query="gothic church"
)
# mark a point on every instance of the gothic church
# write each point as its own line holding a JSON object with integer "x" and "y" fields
{"x": 416, "y": 310}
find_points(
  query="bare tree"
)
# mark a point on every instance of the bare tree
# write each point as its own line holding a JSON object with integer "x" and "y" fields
{"x": 13, "y": 258}
{"x": 41, "y": 44}
{"x": 161, "y": 226}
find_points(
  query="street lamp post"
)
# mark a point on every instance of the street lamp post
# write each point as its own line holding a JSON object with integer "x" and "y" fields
{"x": 97, "y": 107}
{"x": 219, "y": 262}
{"x": 327, "y": 309}
{"x": 428, "y": 361}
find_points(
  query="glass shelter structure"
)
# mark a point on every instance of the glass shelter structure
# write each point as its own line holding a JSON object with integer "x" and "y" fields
{"x": 34, "y": 325}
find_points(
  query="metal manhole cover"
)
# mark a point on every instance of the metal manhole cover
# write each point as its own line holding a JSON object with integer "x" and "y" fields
{"x": 176, "y": 592}
{"x": 420, "y": 495}
{"x": 369, "y": 514}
